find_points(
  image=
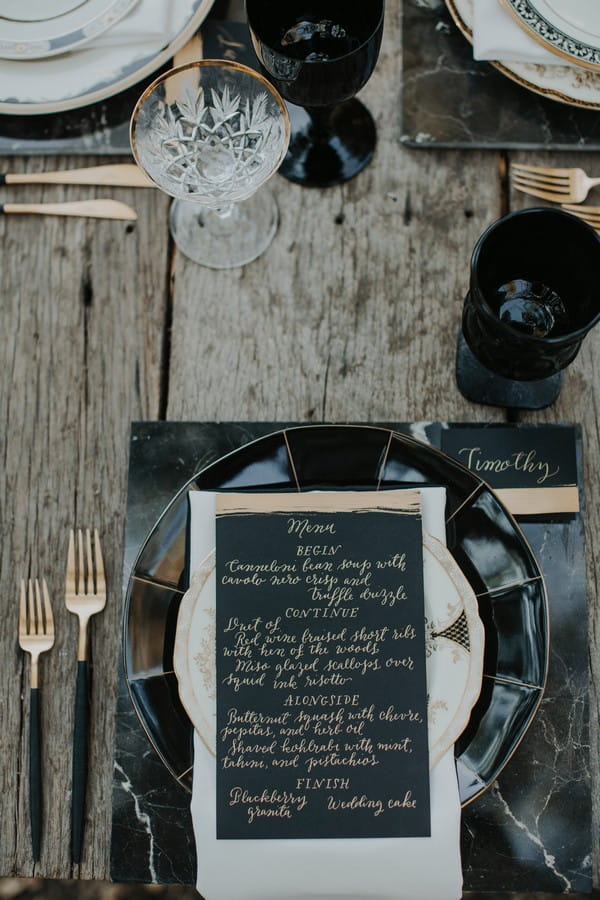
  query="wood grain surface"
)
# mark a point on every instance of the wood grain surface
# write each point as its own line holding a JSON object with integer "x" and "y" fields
{"x": 351, "y": 314}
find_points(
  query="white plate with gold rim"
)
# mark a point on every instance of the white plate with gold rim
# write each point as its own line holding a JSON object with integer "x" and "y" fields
{"x": 574, "y": 85}
{"x": 454, "y": 649}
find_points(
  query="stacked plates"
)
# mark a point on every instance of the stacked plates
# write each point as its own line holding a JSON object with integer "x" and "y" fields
{"x": 569, "y": 29}
{"x": 64, "y": 54}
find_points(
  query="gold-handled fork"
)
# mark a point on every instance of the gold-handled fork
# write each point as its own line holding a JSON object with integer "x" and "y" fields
{"x": 85, "y": 595}
{"x": 36, "y": 635}
{"x": 557, "y": 185}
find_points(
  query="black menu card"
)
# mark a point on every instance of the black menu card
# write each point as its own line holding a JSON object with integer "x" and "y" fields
{"x": 321, "y": 685}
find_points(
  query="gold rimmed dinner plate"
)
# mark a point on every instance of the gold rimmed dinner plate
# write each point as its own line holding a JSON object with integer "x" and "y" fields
{"x": 573, "y": 85}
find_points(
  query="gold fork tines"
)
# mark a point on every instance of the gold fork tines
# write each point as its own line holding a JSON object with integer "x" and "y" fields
{"x": 85, "y": 588}
{"x": 549, "y": 183}
{"x": 36, "y": 624}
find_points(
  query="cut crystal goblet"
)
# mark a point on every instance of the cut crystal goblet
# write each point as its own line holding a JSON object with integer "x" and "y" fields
{"x": 210, "y": 134}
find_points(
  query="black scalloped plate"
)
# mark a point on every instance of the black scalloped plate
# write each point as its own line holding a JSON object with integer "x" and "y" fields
{"x": 481, "y": 535}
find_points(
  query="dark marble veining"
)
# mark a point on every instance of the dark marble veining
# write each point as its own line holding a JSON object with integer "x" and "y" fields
{"x": 529, "y": 832}
{"x": 538, "y": 813}
{"x": 451, "y": 100}
{"x": 152, "y": 838}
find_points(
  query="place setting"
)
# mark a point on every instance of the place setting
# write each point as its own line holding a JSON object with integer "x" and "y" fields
{"x": 350, "y": 653}
{"x": 218, "y": 679}
{"x": 485, "y": 650}
{"x": 294, "y": 739}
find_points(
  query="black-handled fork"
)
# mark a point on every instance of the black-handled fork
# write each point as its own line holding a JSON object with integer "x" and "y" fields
{"x": 85, "y": 595}
{"x": 36, "y": 635}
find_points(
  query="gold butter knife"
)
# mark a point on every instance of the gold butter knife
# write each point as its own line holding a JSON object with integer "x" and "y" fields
{"x": 116, "y": 175}
{"x": 94, "y": 209}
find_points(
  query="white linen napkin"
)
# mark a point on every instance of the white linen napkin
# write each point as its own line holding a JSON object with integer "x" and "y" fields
{"x": 147, "y": 22}
{"x": 498, "y": 36}
{"x": 333, "y": 869}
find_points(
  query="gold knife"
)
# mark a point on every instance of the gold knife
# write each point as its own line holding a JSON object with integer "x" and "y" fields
{"x": 116, "y": 175}
{"x": 95, "y": 209}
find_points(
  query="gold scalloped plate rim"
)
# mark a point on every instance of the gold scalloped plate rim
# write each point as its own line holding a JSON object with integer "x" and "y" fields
{"x": 553, "y": 94}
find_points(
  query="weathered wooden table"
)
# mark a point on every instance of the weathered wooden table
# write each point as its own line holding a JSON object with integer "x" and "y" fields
{"x": 350, "y": 315}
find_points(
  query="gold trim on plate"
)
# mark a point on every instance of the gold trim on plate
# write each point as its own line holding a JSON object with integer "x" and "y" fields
{"x": 553, "y": 94}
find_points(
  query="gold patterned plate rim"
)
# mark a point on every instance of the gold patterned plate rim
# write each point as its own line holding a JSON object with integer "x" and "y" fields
{"x": 572, "y": 85}
{"x": 453, "y": 698}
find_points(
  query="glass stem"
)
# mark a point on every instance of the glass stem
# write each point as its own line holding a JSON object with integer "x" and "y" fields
{"x": 320, "y": 117}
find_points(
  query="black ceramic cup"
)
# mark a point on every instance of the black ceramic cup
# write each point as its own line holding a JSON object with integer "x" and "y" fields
{"x": 319, "y": 54}
{"x": 534, "y": 294}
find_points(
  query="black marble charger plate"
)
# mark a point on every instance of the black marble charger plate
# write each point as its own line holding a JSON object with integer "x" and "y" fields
{"x": 515, "y": 668}
{"x": 451, "y": 100}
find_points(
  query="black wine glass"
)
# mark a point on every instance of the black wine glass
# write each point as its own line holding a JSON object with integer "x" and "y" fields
{"x": 319, "y": 54}
{"x": 534, "y": 295}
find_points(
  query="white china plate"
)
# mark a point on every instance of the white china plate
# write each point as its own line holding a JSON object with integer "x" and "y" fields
{"x": 569, "y": 28}
{"x": 36, "y": 10}
{"x": 34, "y": 39}
{"x": 454, "y": 649}
{"x": 91, "y": 74}
{"x": 569, "y": 84}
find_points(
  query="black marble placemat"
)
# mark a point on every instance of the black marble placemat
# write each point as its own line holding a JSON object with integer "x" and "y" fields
{"x": 451, "y": 100}
{"x": 529, "y": 832}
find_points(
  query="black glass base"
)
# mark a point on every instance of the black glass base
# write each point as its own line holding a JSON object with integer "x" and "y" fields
{"x": 323, "y": 153}
{"x": 479, "y": 384}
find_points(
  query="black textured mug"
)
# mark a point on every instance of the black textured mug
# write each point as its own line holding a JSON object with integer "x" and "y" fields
{"x": 534, "y": 294}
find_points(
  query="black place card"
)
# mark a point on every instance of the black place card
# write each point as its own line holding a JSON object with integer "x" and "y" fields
{"x": 321, "y": 685}
{"x": 533, "y": 470}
